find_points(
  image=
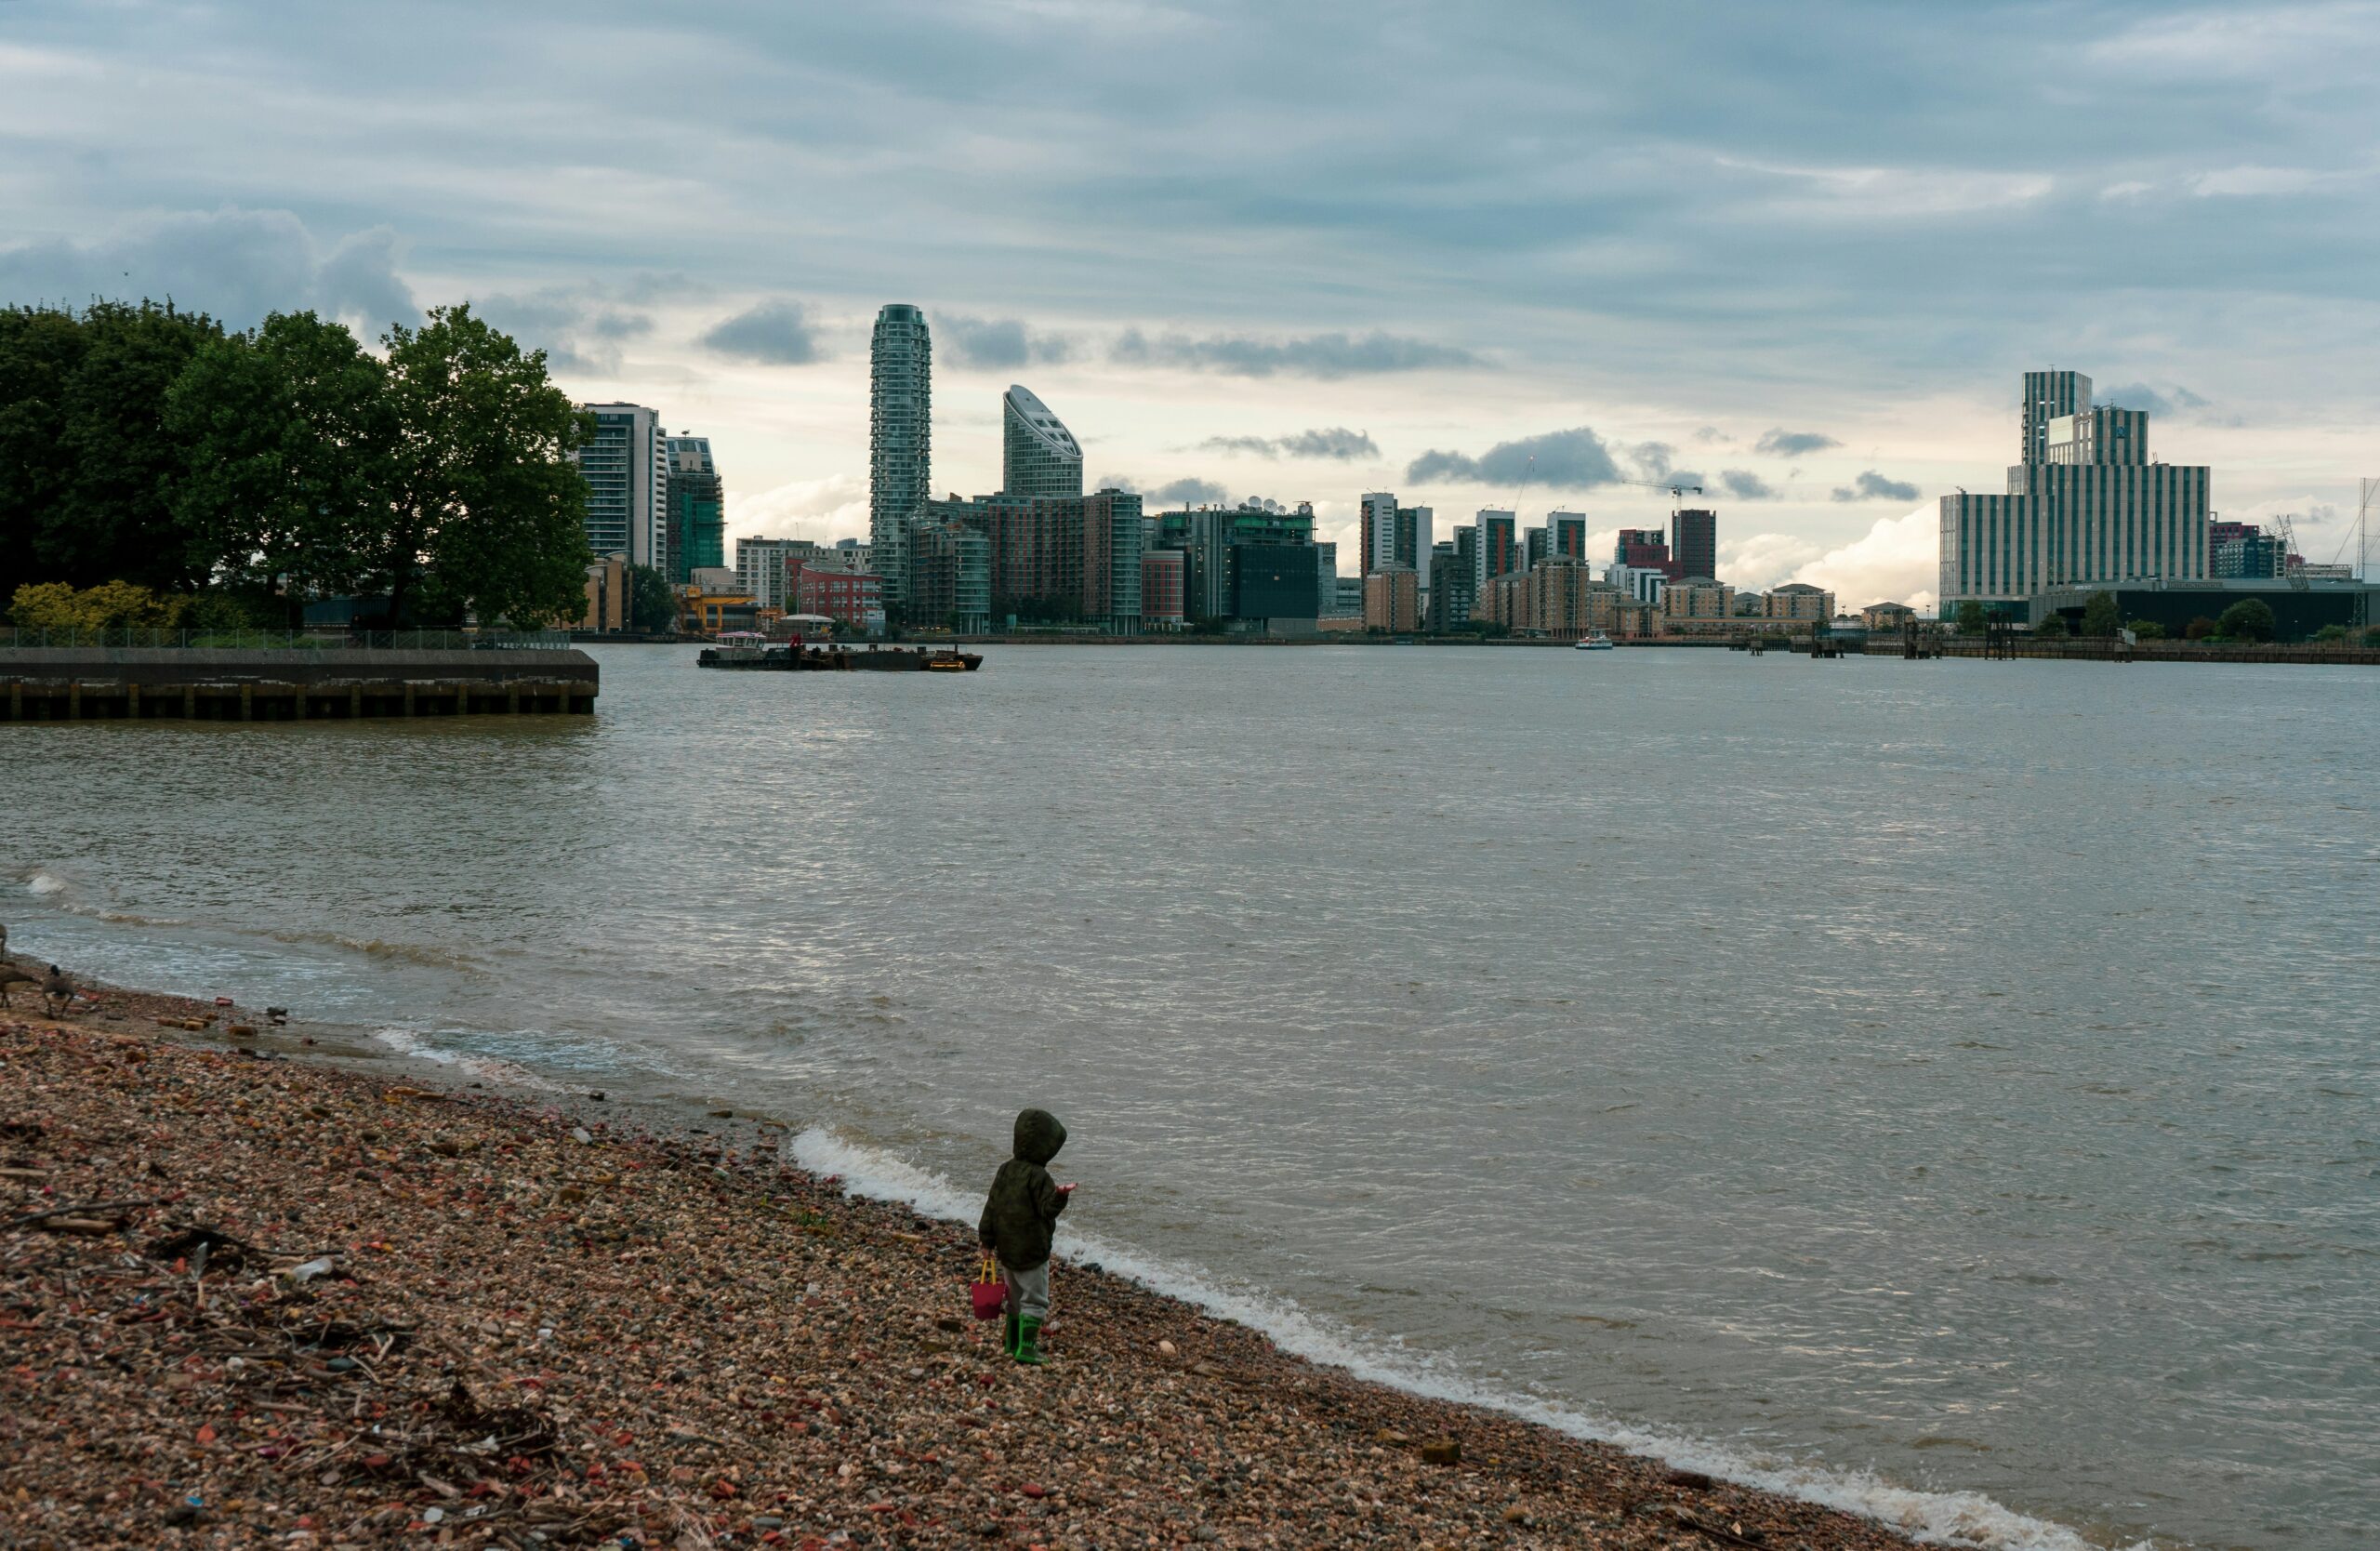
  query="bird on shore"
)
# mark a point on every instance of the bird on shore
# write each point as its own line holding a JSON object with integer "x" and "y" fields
{"x": 57, "y": 992}
{"x": 10, "y": 974}
{"x": 278, "y": 1014}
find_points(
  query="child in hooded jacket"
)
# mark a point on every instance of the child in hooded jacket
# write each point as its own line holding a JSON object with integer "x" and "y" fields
{"x": 1018, "y": 1217}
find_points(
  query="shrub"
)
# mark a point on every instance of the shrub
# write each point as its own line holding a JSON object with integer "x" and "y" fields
{"x": 2249, "y": 619}
{"x": 2146, "y": 630}
{"x": 2198, "y": 629}
{"x": 2099, "y": 616}
{"x": 2331, "y": 635}
{"x": 108, "y": 606}
{"x": 2052, "y": 628}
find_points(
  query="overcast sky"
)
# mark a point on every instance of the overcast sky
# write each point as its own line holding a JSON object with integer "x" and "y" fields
{"x": 1481, "y": 254}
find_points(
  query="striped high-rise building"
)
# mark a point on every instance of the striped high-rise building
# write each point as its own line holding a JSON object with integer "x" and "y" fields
{"x": 900, "y": 436}
{"x": 2086, "y": 506}
{"x": 627, "y": 468}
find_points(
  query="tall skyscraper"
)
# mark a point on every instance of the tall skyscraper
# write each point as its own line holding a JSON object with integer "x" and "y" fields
{"x": 900, "y": 435}
{"x": 1497, "y": 552}
{"x": 2086, "y": 506}
{"x": 1413, "y": 538}
{"x": 1038, "y": 454}
{"x": 1566, "y": 534}
{"x": 627, "y": 469}
{"x": 1694, "y": 542}
{"x": 1376, "y": 536}
{"x": 697, "y": 508}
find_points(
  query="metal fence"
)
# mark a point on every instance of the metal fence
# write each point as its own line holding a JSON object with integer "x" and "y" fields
{"x": 294, "y": 640}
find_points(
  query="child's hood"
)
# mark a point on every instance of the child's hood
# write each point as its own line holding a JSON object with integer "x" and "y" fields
{"x": 1038, "y": 1136}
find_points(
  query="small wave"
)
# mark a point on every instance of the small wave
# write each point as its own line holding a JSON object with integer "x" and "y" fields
{"x": 1958, "y": 1517}
{"x": 43, "y": 883}
{"x": 487, "y": 1068}
{"x": 411, "y": 953}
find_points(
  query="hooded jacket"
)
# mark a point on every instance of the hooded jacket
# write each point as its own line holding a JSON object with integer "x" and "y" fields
{"x": 1025, "y": 1202}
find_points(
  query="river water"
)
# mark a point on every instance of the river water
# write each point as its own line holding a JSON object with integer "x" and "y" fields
{"x": 1948, "y": 1088}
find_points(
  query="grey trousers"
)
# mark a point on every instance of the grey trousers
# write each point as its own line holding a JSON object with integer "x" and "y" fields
{"x": 1028, "y": 1292}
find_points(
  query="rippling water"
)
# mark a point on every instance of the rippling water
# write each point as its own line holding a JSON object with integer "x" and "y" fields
{"x": 1948, "y": 1086}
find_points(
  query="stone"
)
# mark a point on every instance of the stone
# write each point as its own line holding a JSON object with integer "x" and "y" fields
{"x": 1444, "y": 1451}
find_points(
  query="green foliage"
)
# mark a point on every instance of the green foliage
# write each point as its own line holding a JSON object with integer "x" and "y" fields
{"x": 87, "y": 464}
{"x": 2249, "y": 619}
{"x": 2198, "y": 629}
{"x": 108, "y": 606}
{"x": 2147, "y": 629}
{"x": 653, "y": 607}
{"x": 487, "y": 507}
{"x": 2100, "y": 616}
{"x": 2330, "y": 635}
{"x": 2052, "y": 628}
{"x": 285, "y": 435}
{"x": 1970, "y": 618}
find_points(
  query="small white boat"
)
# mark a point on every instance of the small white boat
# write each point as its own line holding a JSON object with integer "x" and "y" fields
{"x": 1593, "y": 641}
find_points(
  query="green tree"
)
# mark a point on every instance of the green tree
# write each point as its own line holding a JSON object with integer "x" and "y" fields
{"x": 87, "y": 462}
{"x": 287, "y": 437}
{"x": 652, "y": 606}
{"x": 2330, "y": 635}
{"x": 2100, "y": 616}
{"x": 2198, "y": 629}
{"x": 109, "y": 605}
{"x": 1970, "y": 618}
{"x": 2146, "y": 630}
{"x": 2249, "y": 619}
{"x": 2052, "y": 628}
{"x": 489, "y": 510}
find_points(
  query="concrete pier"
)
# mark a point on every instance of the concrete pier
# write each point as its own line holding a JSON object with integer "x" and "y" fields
{"x": 82, "y": 683}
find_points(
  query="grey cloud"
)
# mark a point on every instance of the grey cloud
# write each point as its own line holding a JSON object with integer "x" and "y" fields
{"x": 1745, "y": 485}
{"x": 1794, "y": 444}
{"x": 1873, "y": 486}
{"x": 1334, "y": 442}
{"x": 1189, "y": 491}
{"x": 1712, "y": 433}
{"x": 1001, "y": 344}
{"x": 576, "y": 329}
{"x": 1326, "y": 356}
{"x": 2139, "y": 395}
{"x": 774, "y": 334}
{"x": 234, "y": 263}
{"x": 1574, "y": 459}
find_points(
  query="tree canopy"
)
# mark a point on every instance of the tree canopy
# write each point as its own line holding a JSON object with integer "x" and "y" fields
{"x": 2249, "y": 619}
{"x": 1970, "y": 618}
{"x": 2100, "y": 616}
{"x": 146, "y": 445}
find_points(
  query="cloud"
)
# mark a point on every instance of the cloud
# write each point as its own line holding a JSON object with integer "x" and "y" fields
{"x": 577, "y": 326}
{"x": 1334, "y": 442}
{"x": 1760, "y": 561}
{"x": 818, "y": 509}
{"x": 1744, "y": 485}
{"x": 1794, "y": 444}
{"x": 1873, "y": 486}
{"x": 1898, "y": 560}
{"x": 776, "y": 333}
{"x": 1574, "y": 459}
{"x": 2139, "y": 395}
{"x": 1190, "y": 490}
{"x": 999, "y": 344}
{"x": 1327, "y": 356}
{"x": 1653, "y": 464}
{"x": 234, "y": 264}
{"x": 1712, "y": 434}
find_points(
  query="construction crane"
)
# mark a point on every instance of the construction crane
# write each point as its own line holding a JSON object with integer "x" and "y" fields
{"x": 1677, "y": 492}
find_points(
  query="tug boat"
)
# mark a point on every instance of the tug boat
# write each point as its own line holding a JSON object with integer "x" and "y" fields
{"x": 1593, "y": 641}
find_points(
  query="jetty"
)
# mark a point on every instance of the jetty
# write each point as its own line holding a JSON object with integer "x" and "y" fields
{"x": 297, "y": 680}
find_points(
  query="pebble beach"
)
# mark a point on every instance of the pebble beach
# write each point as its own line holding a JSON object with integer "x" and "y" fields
{"x": 249, "y": 1296}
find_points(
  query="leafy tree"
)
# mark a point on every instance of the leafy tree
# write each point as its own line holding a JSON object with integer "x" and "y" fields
{"x": 87, "y": 462}
{"x": 2332, "y": 634}
{"x": 1970, "y": 616}
{"x": 653, "y": 607}
{"x": 2100, "y": 616}
{"x": 2198, "y": 629}
{"x": 109, "y": 605}
{"x": 489, "y": 510}
{"x": 287, "y": 437}
{"x": 2146, "y": 630}
{"x": 2052, "y": 628}
{"x": 2249, "y": 619}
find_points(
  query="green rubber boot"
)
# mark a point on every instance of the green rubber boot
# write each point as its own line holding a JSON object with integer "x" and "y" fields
{"x": 1008, "y": 1334}
{"x": 1028, "y": 1342}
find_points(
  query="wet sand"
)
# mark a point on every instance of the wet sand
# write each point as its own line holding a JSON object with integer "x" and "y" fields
{"x": 316, "y": 1298}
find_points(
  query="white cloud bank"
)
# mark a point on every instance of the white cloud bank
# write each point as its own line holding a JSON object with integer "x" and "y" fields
{"x": 1900, "y": 560}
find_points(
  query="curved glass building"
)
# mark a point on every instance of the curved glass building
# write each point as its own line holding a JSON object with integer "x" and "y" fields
{"x": 1040, "y": 456}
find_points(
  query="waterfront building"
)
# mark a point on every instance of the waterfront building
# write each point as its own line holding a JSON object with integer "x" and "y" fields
{"x": 2299, "y": 607}
{"x": 2085, "y": 506}
{"x": 1393, "y": 601}
{"x": 1694, "y": 542}
{"x": 900, "y": 434}
{"x": 607, "y": 595}
{"x": 950, "y": 577}
{"x": 1697, "y": 598}
{"x": 2242, "y": 550}
{"x": 853, "y": 598}
{"x": 627, "y": 469}
{"x": 697, "y": 508}
{"x": 1887, "y": 616}
{"x": 1326, "y": 578}
{"x": 1161, "y": 573}
{"x": 1351, "y": 598}
{"x": 1071, "y": 560}
{"x": 1533, "y": 549}
{"x": 1798, "y": 600}
{"x": 1562, "y": 599}
{"x": 712, "y": 600}
{"x": 761, "y": 567}
{"x": 1391, "y": 534}
{"x": 1751, "y": 606}
{"x": 1038, "y": 454}
{"x": 1644, "y": 583}
{"x": 1413, "y": 538}
{"x": 1450, "y": 586}
{"x": 1644, "y": 550}
{"x": 1566, "y": 534}
{"x": 1211, "y": 540}
{"x": 1496, "y": 551}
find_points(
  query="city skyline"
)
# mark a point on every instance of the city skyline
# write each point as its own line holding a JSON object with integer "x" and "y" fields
{"x": 1690, "y": 258}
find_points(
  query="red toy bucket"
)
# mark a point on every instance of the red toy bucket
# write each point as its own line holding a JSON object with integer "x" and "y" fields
{"x": 989, "y": 1292}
